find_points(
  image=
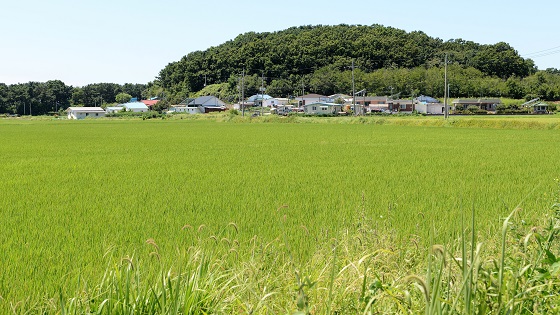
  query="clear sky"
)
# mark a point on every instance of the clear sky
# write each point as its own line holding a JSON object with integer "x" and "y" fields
{"x": 125, "y": 41}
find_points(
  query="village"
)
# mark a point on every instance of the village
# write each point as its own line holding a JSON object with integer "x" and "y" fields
{"x": 317, "y": 105}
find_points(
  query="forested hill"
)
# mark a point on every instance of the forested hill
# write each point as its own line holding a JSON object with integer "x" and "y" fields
{"x": 317, "y": 56}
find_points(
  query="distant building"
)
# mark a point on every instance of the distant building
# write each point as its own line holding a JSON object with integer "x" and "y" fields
{"x": 206, "y": 104}
{"x": 136, "y": 107}
{"x": 275, "y": 102}
{"x": 149, "y": 103}
{"x": 313, "y": 98}
{"x": 85, "y": 112}
{"x": 402, "y": 105}
{"x": 428, "y": 105}
{"x": 489, "y": 104}
{"x": 321, "y": 108}
{"x": 258, "y": 100}
{"x": 539, "y": 108}
{"x": 184, "y": 109}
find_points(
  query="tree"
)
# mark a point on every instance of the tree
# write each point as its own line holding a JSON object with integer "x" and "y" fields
{"x": 123, "y": 97}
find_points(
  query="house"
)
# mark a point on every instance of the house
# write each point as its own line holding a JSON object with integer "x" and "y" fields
{"x": 258, "y": 100}
{"x": 322, "y": 108}
{"x": 149, "y": 103}
{"x": 428, "y": 105}
{"x": 206, "y": 104}
{"x": 313, "y": 98}
{"x": 489, "y": 104}
{"x": 373, "y": 103}
{"x": 136, "y": 107}
{"x": 113, "y": 109}
{"x": 275, "y": 102}
{"x": 539, "y": 108}
{"x": 85, "y": 112}
{"x": 402, "y": 105}
{"x": 184, "y": 109}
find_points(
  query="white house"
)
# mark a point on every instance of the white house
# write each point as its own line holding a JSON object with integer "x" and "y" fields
{"x": 322, "y": 108}
{"x": 275, "y": 102}
{"x": 184, "y": 109}
{"x": 136, "y": 107}
{"x": 85, "y": 112}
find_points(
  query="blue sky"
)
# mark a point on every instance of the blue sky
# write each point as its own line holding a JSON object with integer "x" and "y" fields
{"x": 120, "y": 41}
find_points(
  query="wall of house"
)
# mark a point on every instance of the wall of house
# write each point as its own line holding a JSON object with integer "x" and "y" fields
{"x": 137, "y": 110}
{"x": 434, "y": 109}
{"x": 189, "y": 110}
{"x": 82, "y": 115}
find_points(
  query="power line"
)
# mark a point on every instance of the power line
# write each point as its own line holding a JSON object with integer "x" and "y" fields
{"x": 541, "y": 51}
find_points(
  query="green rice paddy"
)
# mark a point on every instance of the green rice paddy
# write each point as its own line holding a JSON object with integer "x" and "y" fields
{"x": 73, "y": 193}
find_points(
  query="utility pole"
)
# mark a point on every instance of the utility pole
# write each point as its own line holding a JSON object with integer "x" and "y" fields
{"x": 243, "y": 93}
{"x": 239, "y": 89}
{"x": 446, "y": 114}
{"x": 262, "y": 92}
{"x": 364, "y": 94}
{"x": 302, "y": 92}
{"x": 353, "y": 91}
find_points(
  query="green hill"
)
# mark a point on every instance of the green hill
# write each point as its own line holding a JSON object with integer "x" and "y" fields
{"x": 317, "y": 56}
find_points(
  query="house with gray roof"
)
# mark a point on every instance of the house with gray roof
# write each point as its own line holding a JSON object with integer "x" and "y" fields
{"x": 206, "y": 104}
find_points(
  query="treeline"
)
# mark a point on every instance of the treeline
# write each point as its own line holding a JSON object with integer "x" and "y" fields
{"x": 318, "y": 59}
{"x": 38, "y": 98}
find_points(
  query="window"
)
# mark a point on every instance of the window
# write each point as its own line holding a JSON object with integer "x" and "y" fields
{"x": 403, "y": 106}
{"x": 324, "y": 108}
{"x": 314, "y": 108}
{"x": 87, "y": 114}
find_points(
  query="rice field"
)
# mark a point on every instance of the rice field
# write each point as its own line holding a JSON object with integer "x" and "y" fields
{"x": 76, "y": 195}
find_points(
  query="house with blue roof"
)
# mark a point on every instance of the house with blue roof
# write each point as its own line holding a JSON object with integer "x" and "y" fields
{"x": 136, "y": 107}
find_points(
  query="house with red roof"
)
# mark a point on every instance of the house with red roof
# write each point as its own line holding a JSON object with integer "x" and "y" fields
{"x": 149, "y": 103}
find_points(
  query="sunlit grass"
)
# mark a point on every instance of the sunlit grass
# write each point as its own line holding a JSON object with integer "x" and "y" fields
{"x": 72, "y": 191}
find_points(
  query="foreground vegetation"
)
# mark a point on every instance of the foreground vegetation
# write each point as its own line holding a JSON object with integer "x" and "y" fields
{"x": 208, "y": 216}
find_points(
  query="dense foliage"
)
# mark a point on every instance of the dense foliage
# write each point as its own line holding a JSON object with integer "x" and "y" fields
{"x": 38, "y": 98}
{"x": 319, "y": 59}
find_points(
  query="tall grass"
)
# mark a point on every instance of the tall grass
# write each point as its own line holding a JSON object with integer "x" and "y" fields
{"x": 461, "y": 276}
